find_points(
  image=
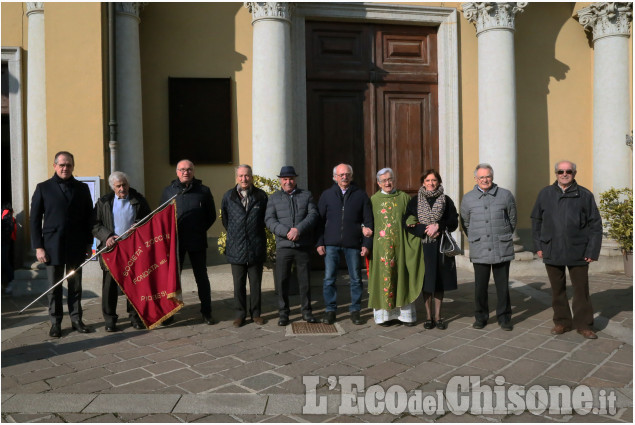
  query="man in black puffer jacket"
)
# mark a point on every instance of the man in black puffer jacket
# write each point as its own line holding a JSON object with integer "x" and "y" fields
{"x": 292, "y": 216}
{"x": 347, "y": 223}
{"x": 243, "y": 214}
{"x": 196, "y": 212}
{"x": 567, "y": 233}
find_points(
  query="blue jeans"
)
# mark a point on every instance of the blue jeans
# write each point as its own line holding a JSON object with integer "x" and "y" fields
{"x": 331, "y": 264}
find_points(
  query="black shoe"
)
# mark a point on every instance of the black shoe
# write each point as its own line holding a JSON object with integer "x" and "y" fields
{"x": 208, "y": 319}
{"x": 355, "y": 318}
{"x": 429, "y": 324}
{"x": 507, "y": 326}
{"x": 309, "y": 318}
{"x": 79, "y": 326}
{"x": 329, "y": 319}
{"x": 479, "y": 324}
{"x": 284, "y": 321}
{"x": 112, "y": 328}
{"x": 137, "y": 324}
{"x": 441, "y": 324}
{"x": 56, "y": 331}
{"x": 168, "y": 321}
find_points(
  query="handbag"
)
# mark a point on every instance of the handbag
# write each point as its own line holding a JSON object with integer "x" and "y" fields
{"x": 448, "y": 246}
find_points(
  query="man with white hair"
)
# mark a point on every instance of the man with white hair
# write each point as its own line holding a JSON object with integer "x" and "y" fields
{"x": 347, "y": 223}
{"x": 567, "y": 233}
{"x": 115, "y": 213}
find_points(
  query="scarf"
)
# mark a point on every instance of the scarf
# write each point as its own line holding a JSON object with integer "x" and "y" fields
{"x": 425, "y": 213}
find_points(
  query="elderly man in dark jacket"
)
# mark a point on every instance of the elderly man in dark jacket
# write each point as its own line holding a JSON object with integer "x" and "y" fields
{"x": 196, "y": 213}
{"x": 61, "y": 215}
{"x": 291, "y": 216}
{"x": 488, "y": 216}
{"x": 567, "y": 232}
{"x": 114, "y": 214}
{"x": 243, "y": 213}
{"x": 346, "y": 227}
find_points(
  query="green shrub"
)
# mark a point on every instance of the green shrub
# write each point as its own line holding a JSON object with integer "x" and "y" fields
{"x": 616, "y": 207}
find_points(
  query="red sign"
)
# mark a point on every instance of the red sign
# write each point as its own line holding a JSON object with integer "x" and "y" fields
{"x": 145, "y": 265}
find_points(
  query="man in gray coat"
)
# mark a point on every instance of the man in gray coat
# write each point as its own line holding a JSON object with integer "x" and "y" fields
{"x": 567, "y": 233}
{"x": 488, "y": 217}
{"x": 291, "y": 216}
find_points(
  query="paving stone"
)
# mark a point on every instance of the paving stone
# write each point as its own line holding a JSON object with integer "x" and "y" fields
{"x": 136, "y": 352}
{"x": 197, "y": 358}
{"x": 527, "y": 340}
{"x": 616, "y": 372}
{"x": 164, "y": 367}
{"x": 490, "y": 363}
{"x": 47, "y": 403}
{"x": 42, "y": 374}
{"x": 106, "y": 419}
{"x": 385, "y": 370}
{"x": 623, "y": 355}
{"x": 338, "y": 369}
{"x": 570, "y": 370}
{"x": 447, "y": 343}
{"x": 125, "y": 365}
{"x": 69, "y": 358}
{"x": 416, "y": 356}
{"x": 460, "y": 356}
{"x": 86, "y": 387}
{"x": 174, "y": 353}
{"x": 78, "y": 417}
{"x": 594, "y": 382}
{"x": 127, "y": 377}
{"x": 177, "y": 376}
{"x": 254, "y": 354}
{"x": 523, "y": 371}
{"x": 507, "y": 352}
{"x": 487, "y": 342}
{"x": 217, "y": 365}
{"x": 215, "y": 419}
{"x": 281, "y": 359}
{"x": 143, "y": 386}
{"x": 262, "y": 381}
{"x": 244, "y": 371}
{"x": 38, "y": 418}
{"x": 544, "y": 355}
{"x": 426, "y": 371}
{"x": 201, "y": 385}
{"x": 132, "y": 403}
{"x": 222, "y": 403}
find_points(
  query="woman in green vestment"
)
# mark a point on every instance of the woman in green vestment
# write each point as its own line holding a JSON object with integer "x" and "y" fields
{"x": 396, "y": 269}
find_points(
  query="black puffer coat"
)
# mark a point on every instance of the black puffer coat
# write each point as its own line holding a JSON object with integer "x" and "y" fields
{"x": 195, "y": 212}
{"x": 566, "y": 226}
{"x": 285, "y": 211}
{"x": 246, "y": 237}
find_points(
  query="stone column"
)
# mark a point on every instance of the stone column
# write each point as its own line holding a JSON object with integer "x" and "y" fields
{"x": 496, "y": 88}
{"x": 39, "y": 164}
{"x": 271, "y": 91}
{"x": 129, "y": 110}
{"x": 610, "y": 24}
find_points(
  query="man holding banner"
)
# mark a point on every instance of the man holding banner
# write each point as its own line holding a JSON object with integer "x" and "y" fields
{"x": 114, "y": 214}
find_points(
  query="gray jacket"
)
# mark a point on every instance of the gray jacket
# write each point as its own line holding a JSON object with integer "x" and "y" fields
{"x": 489, "y": 220}
{"x": 286, "y": 211}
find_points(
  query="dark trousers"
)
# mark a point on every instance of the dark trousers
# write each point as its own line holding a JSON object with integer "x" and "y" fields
{"x": 284, "y": 260}
{"x": 74, "y": 293}
{"x": 199, "y": 267}
{"x": 501, "y": 280}
{"x": 109, "y": 296}
{"x": 582, "y": 309}
{"x": 240, "y": 273}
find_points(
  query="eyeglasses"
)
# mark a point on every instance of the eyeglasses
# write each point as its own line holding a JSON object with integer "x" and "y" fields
{"x": 344, "y": 175}
{"x": 484, "y": 178}
{"x": 560, "y": 172}
{"x": 185, "y": 170}
{"x": 64, "y": 165}
{"x": 386, "y": 181}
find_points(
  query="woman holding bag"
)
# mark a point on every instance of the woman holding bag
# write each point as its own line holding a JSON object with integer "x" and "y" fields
{"x": 427, "y": 216}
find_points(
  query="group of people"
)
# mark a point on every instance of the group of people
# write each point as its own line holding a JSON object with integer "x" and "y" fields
{"x": 398, "y": 235}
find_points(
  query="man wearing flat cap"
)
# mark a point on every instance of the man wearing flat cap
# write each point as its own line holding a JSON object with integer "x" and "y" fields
{"x": 291, "y": 216}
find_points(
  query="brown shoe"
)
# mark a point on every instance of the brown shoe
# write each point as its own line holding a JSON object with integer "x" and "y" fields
{"x": 559, "y": 330}
{"x": 259, "y": 321}
{"x": 238, "y": 323}
{"x": 587, "y": 333}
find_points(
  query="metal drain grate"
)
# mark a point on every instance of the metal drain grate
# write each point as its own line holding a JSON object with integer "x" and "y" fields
{"x": 304, "y": 328}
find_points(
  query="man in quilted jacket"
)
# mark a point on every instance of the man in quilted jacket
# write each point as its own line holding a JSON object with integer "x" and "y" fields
{"x": 243, "y": 214}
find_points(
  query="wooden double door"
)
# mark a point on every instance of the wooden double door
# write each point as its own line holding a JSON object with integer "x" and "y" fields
{"x": 372, "y": 102}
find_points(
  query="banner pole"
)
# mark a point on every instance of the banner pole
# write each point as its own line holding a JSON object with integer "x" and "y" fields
{"x": 72, "y": 272}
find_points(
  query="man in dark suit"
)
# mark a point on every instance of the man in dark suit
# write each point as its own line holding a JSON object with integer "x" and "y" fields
{"x": 114, "y": 214}
{"x": 61, "y": 211}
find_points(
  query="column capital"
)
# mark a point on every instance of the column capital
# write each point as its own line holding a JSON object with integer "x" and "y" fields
{"x": 130, "y": 8}
{"x": 270, "y": 10}
{"x": 607, "y": 19}
{"x": 34, "y": 7}
{"x": 491, "y": 15}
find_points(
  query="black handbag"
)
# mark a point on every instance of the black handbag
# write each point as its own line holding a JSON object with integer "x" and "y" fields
{"x": 448, "y": 246}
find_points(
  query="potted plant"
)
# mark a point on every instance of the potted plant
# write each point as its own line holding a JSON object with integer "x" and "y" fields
{"x": 616, "y": 207}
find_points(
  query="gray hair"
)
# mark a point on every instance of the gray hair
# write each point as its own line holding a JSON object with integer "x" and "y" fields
{"x": 384, "y": 171}
{"x": 117, "y": 176}
{"x": 484, "y": 165}
{"x": 251, "y": 173}
{"x": 184, "y": 159}
{"x": 335, "y": 168}
{"x": 573, "y": 166}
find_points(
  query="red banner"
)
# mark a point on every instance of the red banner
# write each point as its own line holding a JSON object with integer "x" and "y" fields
{"x": 145, "y": 265}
